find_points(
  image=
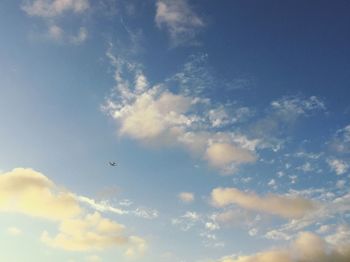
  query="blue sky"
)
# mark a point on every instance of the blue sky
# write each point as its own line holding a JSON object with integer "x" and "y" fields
{"x": 229, "y": 122}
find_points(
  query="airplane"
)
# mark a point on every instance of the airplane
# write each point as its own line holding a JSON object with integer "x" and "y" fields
{"x": 112, "y": 163}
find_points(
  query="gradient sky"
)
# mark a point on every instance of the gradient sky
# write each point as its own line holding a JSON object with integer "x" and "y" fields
{"x": 229, "y": 122}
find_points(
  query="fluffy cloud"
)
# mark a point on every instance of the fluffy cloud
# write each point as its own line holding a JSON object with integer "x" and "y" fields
{"x": 87, "y": 233}
{"x": 30, "y": 192}
{"x": 26, "y": 191}
{"x": 226, "y": 155}
{"x": 51, "y": 11}
{"x": 158, "y": 115}
{"x": 52, "y": 8}
{"x": 307, "y": 247}
{"x": 186, "y": 197}
{"x": 288, "y": 207}
{"x": 177, "y": 17}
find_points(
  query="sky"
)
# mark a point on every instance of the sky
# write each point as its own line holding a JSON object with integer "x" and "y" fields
{"x": 229, "y": 122}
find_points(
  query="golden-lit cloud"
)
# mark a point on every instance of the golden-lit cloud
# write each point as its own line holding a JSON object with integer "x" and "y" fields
{"x": 87, "y": 233}
{"x": 223, "y": 154}
{"x": 308, "y": 247}
{"x": 29, "y": 192}
{"x": 288, "y": 207}
{"x": 26, "y": 191}
{"x": 186, "y": 197}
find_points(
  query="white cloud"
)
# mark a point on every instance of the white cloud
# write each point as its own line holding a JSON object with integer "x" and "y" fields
{"x": 288, "y": 207}
{"x": 52, "y": 8}
{"x": 173, "y": 118}
{"x": 328, "y": 208}
{"x": 187, "y": 221}
{"x": 340, "y": 142}
{"x": 186, "y": 197}
{"x": 290, "y": 107}
{"x": 178, "y": 18}
{"x": 29, "y": 192}
{"x": 338, "y": 166}
{"x": 226, "y": 156}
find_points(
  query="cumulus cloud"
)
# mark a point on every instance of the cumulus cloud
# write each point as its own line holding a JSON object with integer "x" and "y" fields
{"x": 186, "y": 197}
{"x": 176, "y": 118}
{"x": 180, "y": 21}
{"x": 52, "y": 8}
{"x": 287, "y": 207}
{"x": 26, "y": 191}
{"x": 29, "y": 192}
{"x": 86, "y": 233}
{"x": 308, "y": 247}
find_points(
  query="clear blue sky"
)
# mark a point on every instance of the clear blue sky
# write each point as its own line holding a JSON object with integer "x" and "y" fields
{"x": 229, "y": 122}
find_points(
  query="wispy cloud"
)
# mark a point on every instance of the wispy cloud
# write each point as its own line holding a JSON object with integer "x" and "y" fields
{"x": 51, "y": 10}
{"x": 180, "y": 21}
{"x": 288, "y": 207}
{"x": 338, "y": 166}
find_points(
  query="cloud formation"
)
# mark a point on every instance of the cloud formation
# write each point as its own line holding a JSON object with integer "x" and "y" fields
{"x": 186, "y": 197}
{"x": 87, "y": 233}
{"x": 287, "y": 207}
{"x": 180, "y": 21}
{"x": 26, "y": 191}
{"x": 176, "y": 118}
{"x": 52, "y": 8}
{"x": 31, "y": 193}
{"x": 308, "y": 247}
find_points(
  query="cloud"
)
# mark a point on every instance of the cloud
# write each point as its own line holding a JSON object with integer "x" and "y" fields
{"x": 329, "y": 207}
{"x": 340, "y": 142}
{"x": 27, "y": 191}
{"x": 138, "y": 247}
{"x": 227, "y": 155}
{"x": 87, "y": 233}
{"x": 308, "y": 247}
{"x": 180, "y": 21}
{"x": 186, "y": 197}
{"x": 52, "y": 8}
{"x": 287, "y": 207}
{"x": 56, "y": 33}
{"x": 14, "y": 231}
{"x": 282, "y": 114}
{"x": 175, "y": 118}
{"x": 80, "y": 37}
{"x": 338, "y": 166}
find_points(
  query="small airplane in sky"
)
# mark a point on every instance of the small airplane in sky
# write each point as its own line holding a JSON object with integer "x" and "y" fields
{"x": 112, "y": 163}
